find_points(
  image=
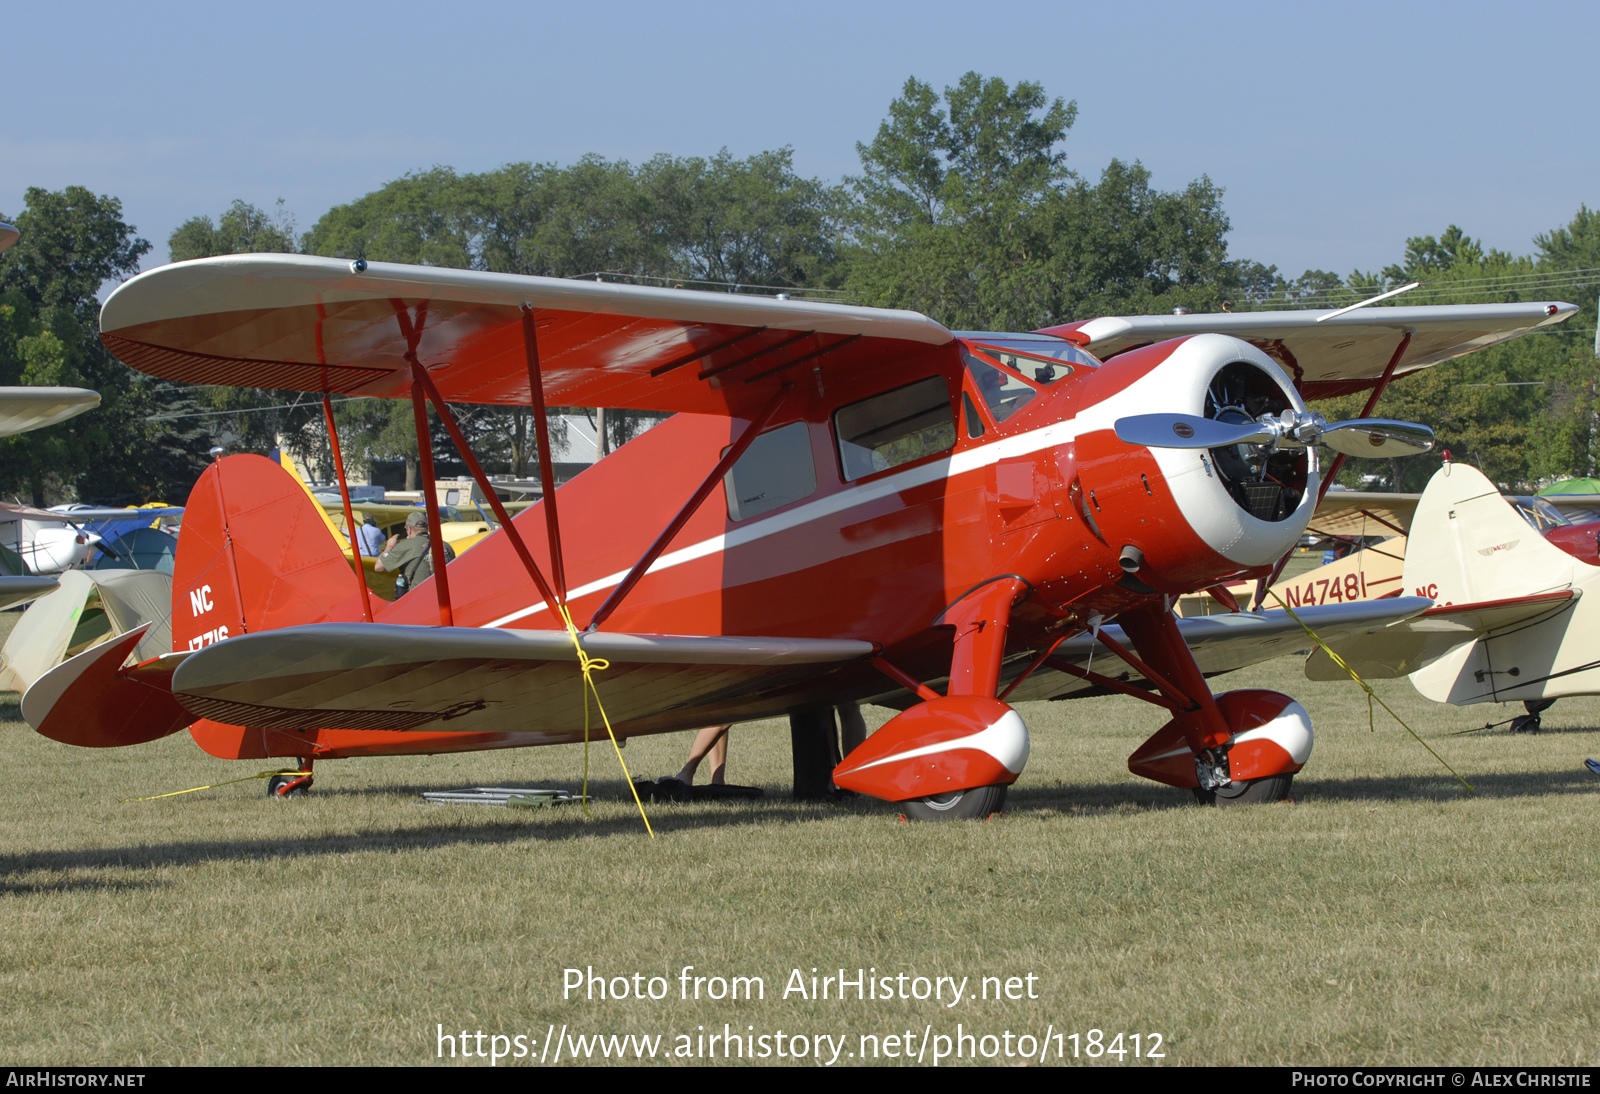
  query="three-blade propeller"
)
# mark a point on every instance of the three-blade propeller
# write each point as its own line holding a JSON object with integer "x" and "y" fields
{"x": 1368, "y": 437}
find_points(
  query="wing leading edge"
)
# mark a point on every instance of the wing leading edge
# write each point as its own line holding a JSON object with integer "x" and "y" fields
{"x": 1344, "y": 353}
{"x": 319, "y": 324}
{"x": 378, "y": 676}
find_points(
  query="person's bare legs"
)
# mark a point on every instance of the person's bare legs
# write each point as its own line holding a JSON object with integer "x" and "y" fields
{"x": 719, "y": 759}
{"x": 710, "y": 740}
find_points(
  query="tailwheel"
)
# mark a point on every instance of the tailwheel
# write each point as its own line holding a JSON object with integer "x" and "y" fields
{"x": 1273, "y": 788}
{"x": 280, "y": 787}
{"x": 973, "y": 804}
{"x": 1531, "y": 721}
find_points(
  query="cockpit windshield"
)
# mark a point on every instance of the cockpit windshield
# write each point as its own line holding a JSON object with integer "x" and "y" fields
{"x": 1539, "y": 513}
{"x": 1043, "y": 360}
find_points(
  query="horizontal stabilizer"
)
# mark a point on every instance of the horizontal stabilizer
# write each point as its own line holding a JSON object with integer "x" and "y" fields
{"x": 1401, "y": 648}
{"x": 93, "y": 701}
{"x": 378, "y": 676}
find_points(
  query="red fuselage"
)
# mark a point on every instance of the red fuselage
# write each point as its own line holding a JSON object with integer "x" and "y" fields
{"x": 1049, "y": 494}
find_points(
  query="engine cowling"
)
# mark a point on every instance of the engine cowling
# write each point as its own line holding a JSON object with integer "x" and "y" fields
{"x": 1195, "y": 515}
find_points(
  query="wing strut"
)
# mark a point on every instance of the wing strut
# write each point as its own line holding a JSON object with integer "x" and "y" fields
{"x": 1265, "y": 583}
{"x": 412, "y": 331}
{"x": 430, "y": 497}
{"x": 547, "y": 467}
{"x": 510, "y": 529}
{"x": 349, "y": 515}
{"x": 729, "y": 458}
{"x": 1062, "y": 665}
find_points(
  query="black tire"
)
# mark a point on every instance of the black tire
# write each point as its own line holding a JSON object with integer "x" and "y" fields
{"x": 1526, "y": 723}
{"x": 1273, "y": 788}
{"x": 276, "y": 784}
{"x": 972, "y": 804}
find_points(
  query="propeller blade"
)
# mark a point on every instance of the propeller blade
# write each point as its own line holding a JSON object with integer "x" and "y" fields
{"x": 1377, "y": 437}
{"x": 1187, "y": 431}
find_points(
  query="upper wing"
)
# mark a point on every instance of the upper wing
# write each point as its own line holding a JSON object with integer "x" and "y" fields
{"x": 25, "y": 408}
{"x": 1344, "y": 354}
{"x": 380, "y": 676}
{"x": 1223, "y": 643}
{"x": 322, "y": 324}
{"x": 1359, "y": 513}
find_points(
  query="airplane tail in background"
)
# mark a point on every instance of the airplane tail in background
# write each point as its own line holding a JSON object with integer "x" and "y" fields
{"x": 255, "y": 553}
{"x": 1505, "y": 599}
{"x": 1469, "y": 546}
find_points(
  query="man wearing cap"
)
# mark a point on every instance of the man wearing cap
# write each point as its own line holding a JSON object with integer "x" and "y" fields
{"x": 370, "y": 538}
{"x": 408, "y": 559}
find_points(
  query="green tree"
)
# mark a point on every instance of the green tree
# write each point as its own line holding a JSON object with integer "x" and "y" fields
{"x": 952, "y": 209}
{"x": 1523, "y": 412}
{"x": 130, "y": 449}
{"x": 242, "y": 229}
{"x": 966, "y": 210}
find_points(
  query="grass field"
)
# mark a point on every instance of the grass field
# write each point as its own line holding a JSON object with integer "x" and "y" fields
{"x": 1387, "y": 916}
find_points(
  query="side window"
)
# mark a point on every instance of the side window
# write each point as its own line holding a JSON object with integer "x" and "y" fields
{"x": 974, "y": 423}
{"x": 775, "y": 470}
{"x": 1006, "y": 394}
{"x": 894, "y": 428}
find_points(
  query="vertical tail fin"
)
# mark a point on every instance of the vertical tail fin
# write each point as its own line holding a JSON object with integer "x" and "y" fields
{"x": 1469, "y": 546}
{"x": 255, "y": 553}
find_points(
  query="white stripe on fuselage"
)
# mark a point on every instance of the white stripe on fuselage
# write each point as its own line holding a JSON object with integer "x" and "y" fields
{"x": 853, "y": 497}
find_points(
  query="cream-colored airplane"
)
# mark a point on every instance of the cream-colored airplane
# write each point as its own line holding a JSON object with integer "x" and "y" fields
{"x": 1511, "y": 621}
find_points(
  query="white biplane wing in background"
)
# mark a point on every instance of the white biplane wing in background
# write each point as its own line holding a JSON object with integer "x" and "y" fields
{"x": 1363, "y": 513}
{"x": 27, "y": 408}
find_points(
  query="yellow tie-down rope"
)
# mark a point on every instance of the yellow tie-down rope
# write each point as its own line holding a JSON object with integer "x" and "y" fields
{"x": 589, "y": 666}
{"x": 213, "y": 786}
{"x": 1372, "y": 696}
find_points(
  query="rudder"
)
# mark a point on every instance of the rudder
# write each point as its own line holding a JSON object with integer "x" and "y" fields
{"x": 254, "y": 554}
{"x": 1469, "y": 546}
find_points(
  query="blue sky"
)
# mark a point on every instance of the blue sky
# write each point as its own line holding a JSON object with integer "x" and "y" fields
{"x": 1337, "y": 130}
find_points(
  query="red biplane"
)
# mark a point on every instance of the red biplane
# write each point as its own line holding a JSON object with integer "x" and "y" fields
{"x": 850, "y": 504}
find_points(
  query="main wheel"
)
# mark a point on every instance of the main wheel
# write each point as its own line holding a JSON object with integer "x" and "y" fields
{"x": 280, "y": 787}
{"x": 957, "y": 804}
{"x": 1273, "y": 788}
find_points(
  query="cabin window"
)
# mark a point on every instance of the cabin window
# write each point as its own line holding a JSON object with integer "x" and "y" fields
{"x": 776, "y": 469}
{"x": 1005, "y": 393}
{"x": 896, "y": 427}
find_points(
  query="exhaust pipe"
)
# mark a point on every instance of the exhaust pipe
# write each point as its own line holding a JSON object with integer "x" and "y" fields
{"x": 1131, "y": 559}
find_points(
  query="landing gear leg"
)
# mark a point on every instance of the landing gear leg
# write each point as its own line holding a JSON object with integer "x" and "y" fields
{"x": 1239, "y": 748}
{"x": 1531, "y": 721}
{"x": 280, "y": 787}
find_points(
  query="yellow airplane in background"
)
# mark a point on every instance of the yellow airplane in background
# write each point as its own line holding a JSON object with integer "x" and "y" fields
{"x": 461, "y": 533}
